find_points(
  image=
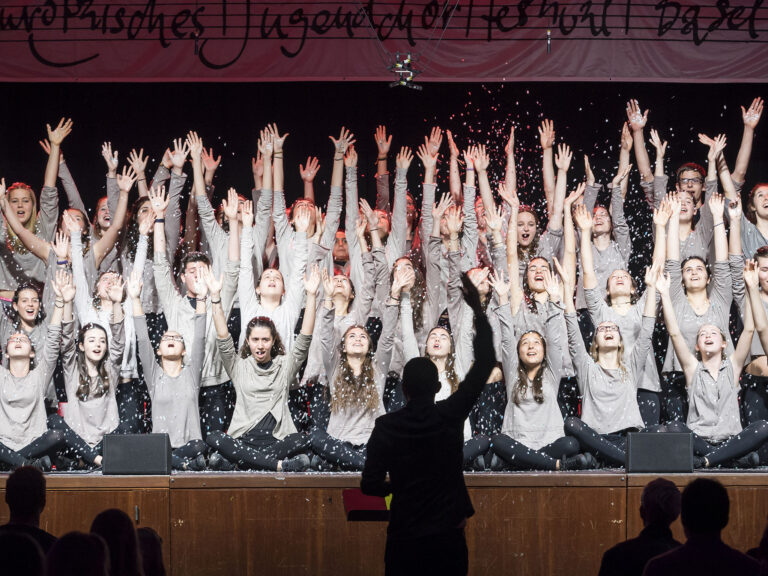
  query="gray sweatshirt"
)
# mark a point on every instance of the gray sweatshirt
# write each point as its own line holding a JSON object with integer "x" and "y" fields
{"x": 94, "y": 417}
{"x": 175, "y": 408}
{"x": 713, "y": 411}
{"x": 261, "y": 391}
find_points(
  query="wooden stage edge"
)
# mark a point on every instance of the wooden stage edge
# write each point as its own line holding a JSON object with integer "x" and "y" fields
{"x": 272, "y": 523}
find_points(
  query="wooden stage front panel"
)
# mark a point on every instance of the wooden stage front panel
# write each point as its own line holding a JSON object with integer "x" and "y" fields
{"x": 248, "y": 524}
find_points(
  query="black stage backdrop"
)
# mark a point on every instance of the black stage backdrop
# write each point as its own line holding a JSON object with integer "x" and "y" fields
{"x": 587, "y": 116}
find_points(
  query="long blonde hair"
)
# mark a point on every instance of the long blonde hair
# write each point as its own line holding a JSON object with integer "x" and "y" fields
{"x": 595, "y": 353}
{"x": 14, "y": 242}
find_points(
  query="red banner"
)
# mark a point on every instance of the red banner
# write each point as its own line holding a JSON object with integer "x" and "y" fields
{"x": 447, "y": 40}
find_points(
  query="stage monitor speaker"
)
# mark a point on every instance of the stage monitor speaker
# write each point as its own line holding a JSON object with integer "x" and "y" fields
{"x": 137, "y": 454}
{"x": 660, "y": 452}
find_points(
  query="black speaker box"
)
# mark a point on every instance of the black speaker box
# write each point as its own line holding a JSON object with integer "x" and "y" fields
{"x": 660, "y": 452}
{"x": 137, "y": 454}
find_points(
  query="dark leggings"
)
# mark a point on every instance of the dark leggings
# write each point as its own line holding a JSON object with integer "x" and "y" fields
{"x": 487, "y": 414}
{"x": 754, "y": 399}
{"x": 76, "y": 446}
{"x": 610, "y": 448}
{"x": 310, "y": 406}
{"x": 650, "y": 408}
{"x": 345, "y": 455}
{"x": 183, "y": 454}
{"x": 52, "y": 440}
{"x": 674, "y": 397}
{"x": 474, "y": 447}
{"x": 746, "y": 441}
{"x": 130, "y": 397}
{"x": 520, "y": 457}
{"x": 260, "y": 455}
{"x": 568, "y": 397}
{"x": 217, "y": 403}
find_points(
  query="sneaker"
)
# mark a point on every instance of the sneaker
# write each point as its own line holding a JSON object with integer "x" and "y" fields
{"x": 751, "y": 460}
{"x": 217, "y": 462}
{"x": 698, "y": 462}
{"x": 298, "y": 463}
{"x": 497, "y": 464}
{"x": 578, "y": 462}
{"x": 197, "y": 464}
{"x": 43, "y": 464}
{"x": 478, "y": 464}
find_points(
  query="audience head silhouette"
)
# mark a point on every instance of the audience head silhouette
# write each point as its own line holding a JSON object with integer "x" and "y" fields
{"x": 660, "y": 503}
{"x": 79, "y": 554}
{"x": 151, "y": 546}
{"x": 21, "y": 555}
{"x": 25, "y": 495}
{"x": 118, "y": 531}
{"x": 705, "y": 507}
{"x": 420, "y": 378}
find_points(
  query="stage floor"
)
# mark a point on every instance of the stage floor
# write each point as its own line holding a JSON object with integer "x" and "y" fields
{"x": 275, "y": 524}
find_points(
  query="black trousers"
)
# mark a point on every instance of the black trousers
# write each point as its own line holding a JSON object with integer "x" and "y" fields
{"x": 568, "y": 397}
{"x": 487, "y": 414}
{"x": 754, "y": 399}
{"x": 75, "y": 445}
{"x": 650, "y": 407}
{"x": 474, "y": 447}
{"x": 343, "y": 454}
{"x": 674, "y": 398}
{"x": 749, "y": 439}
{"x": 130, "y": 397}
{"x": 521, "y": 457}
{"x": 217, "y": 404}
{"x": 183, "y": 454}
{"x": 258, "y": 449}
{"x": 444, "y": 554}
{"x": 50, "y": 442}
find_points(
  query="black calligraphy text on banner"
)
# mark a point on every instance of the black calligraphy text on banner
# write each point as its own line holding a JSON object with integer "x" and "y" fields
{"x": 450, "y": 40}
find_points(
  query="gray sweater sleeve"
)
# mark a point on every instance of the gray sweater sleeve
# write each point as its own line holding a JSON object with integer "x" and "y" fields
{"x": 228, "y": 355}
{"x": 262, "y": 213}
{"x": 581, "y": 360}
{"x": 332, "y": 218}
{"x": 509, "y": 359}
{"x": 49, "y": 356}
{"x": 70, "y": 189}
{"x": 620, "y": 227}
{"x": 173, "y": 215}
{"x": 146, "y": 353}
{"x": 433, "y": 281}
{"x": 590, "y": 196}
{"x": 382, "y": 192}
{"x": 217, "y": 238}
{"x": 198, "y": 349}
{"x": 470, "y": 237}
{"x": 398, "y": 236}
{"x": 48, "y": 214}
{"x": 361, "y": 307}
{"x": 117, "y": 343}
{"x": 427, "y": 200}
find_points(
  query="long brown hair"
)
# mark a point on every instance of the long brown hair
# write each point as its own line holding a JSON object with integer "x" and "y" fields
{"x": 262, "y": 322}
{"x": 84, "y": 386}
{"x": 351, "y": 390}
{"x": 521, "y": 385}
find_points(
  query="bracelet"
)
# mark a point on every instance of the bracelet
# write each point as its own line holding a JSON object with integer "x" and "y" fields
{"x": 718, "y": 224}
{"x": 393, "y": 298}
{"x": 470, "y": 169}
{"x": 216, "y": 301}
{"x": 277, "y": 155}
{"x": 62, "y": 262}
{"x": 141, "y": 180}
{"x": 57, "y": 305}
{"x": 372, "y": 229}
{"x": 381, "y": 158}
{"x": 162, "y": 220}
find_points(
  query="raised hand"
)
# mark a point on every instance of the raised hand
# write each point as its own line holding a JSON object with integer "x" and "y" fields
{"x": 193, "y": 144}
{"x": 210, "y": 163}
{"x": 583, "y": 218}
{"x": 751, "y": 278}
{"x": 626, "y": 138}
{"x": 147, "y": 224}
{"x": 651, "y": 274}
{"x": 439, "y": 208}
{"x": 663, "y": 282}
{"x": 303, "y": 217}
{"x": 547, "y": 134}
{"x": 663, "y": 213}
{"x": 231, "y": 204}
{"x": 60, "y": 245}
{"x": 469, "y": 158}
{"x": 277, "y": 139}
{"x": 637, "y": 119}
{"x": 590, "y": 176}
{"x": 563, "y": 157}
{"x": 454, "y": 220}
{"x": 56, "y": 136}
{"x": 180, "y": 152}
{"x": 308, "y": 173}
{"x": 248, "y": 214}
{"x": 46, "y": 146}
{"x": 480, "y": 158}
{"x": 361, "y": 225}
{"x": 212, "y": 283}
{"x": 109, "y": 156}
{"x": 158, "y": 200}
{"x": 471, "y": 295}
{"x": 619, "y": 178}
{"x": 72, "y": 225}
{"x": 200, "y": 286}
{"x": 509, "y": 195}
{"x": 568, "y": 282}
{"x": 493, "y": 218}
{"x": 434, "y": 141}
{"x": 383, "y": 142}
{"x": 716, "y": 147}
{"x": 675, "y": 204}
{"x": 499, "y": 285}
{"x": 752, "y": 115}
{"x": 344, "y": 141}
{"x": 166, "y": 160}
{"x": 134, "y": 285}
{"x": 115, "y": 292}
{"x": 257, "y": 165}
{"x": 370, "y": 216}
{"x": 64, "y": 286}
{"x": 427, "y": 160}
{"x": 402, "y": 277}
{"x": 319, "y": 224}
{"x": 327, "y": 281}
{"x": 661, "y": 147}
{"x": 137, "y": 160}
{"x": 127, "y": 179}
{"x": 575, "y": 195}
{"x": 350, "y": 158}
{"x": 552, "y": 286}
{"x": 265, "y": 145}
{"x": 404, "y": 158}
{"x": 716, "y": 205}
{"x": 312, "y": 280}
